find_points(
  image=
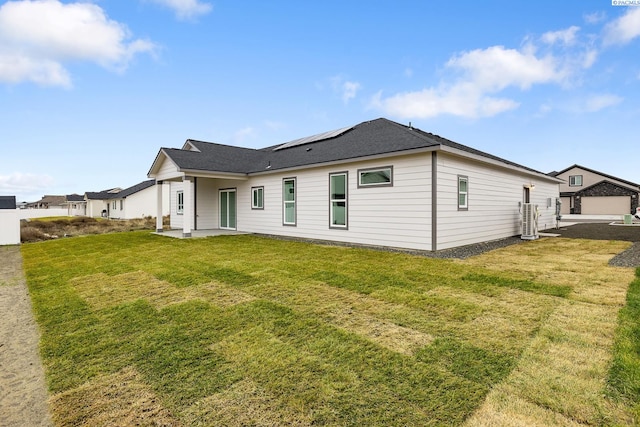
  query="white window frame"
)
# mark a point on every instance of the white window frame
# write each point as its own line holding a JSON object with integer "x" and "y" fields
{"x": 286, "y": 203}
{"x": 463, "y": 206}
{"x": 573, "y": 180}
{"x": 260, "y": 192}
{"x": 121, "y": 204}
{"x": 114, "y": 205}
{"x": 375, "y": 184}
{"x": 334, "y": 200}
{"x": 180, "y": 202}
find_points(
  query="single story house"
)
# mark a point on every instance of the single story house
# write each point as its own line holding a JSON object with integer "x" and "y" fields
{"x": 49, "y": 202}
{"x": 76, "y": 205}
{"x": 375, "y": 183}
{"x": 9, "y": 221}
{"x": 137, "y": 201}
{"x": 98, "y": 202}
{"x": 589, "y": 192}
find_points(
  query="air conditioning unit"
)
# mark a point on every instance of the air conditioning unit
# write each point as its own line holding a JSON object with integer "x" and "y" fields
{"x": 529, "y": 221}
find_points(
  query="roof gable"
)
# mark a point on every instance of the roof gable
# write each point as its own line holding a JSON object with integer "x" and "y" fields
{"x": 604, "y": 175}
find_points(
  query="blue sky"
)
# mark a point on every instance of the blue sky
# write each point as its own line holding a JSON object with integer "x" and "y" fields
{"x": 90, "y": 90}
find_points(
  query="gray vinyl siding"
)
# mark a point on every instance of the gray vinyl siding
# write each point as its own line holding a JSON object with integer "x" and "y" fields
{"x": 493, "y": 196}
{"x": 398, "y": 215}
{"x": 176, "y": 219}
{"x": 207, "y": 204}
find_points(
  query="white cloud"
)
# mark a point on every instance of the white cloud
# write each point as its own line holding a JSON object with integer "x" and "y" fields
{"x": 349, "y": 90}
{"x": 624, "y": 29}
{"x": 186, "y": 9}
{"x": 595, "y": 17}
{"x": 566, "y": 37}
{"x": 346, "y": 89}
{"x": 37, "y": 37}
{"x": 20, "y": 183}
{"x": 243, "y": 134}
{"x": 482, "y": 73}
{"x": 599, "y": 102}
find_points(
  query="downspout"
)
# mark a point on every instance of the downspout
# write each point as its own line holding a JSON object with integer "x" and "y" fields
{"x": 434, "y": 201}
{"x": 195, "y": 203}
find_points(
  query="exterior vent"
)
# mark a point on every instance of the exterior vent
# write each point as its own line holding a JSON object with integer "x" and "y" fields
{"x": 529, "y": 221}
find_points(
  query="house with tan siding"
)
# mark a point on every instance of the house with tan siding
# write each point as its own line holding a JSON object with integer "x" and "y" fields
{"x": 588, "y": 192}
{"x": 376, "y": 183}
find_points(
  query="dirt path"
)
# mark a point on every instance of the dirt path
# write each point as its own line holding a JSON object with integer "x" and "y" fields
{"x": 23, "y": 391}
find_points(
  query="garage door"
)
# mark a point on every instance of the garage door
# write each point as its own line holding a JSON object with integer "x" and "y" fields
{"x": 612, "y": 205}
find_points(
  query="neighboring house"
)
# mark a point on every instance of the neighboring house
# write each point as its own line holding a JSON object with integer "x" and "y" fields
{"x": 98, "y": 202}
{"x": 375, "y": 183}
{"x": 76, "y": 205}
{"x": 589, "y": 192}
{"x": 49, "y": 202}
{"x": 137, "y": 201}
{"x": 9, "y": 222}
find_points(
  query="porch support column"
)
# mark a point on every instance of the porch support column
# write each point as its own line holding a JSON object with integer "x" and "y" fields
{"x": 159, "y": 187}
{"x": 187, "y": 216}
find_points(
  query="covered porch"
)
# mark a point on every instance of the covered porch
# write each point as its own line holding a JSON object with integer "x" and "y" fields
{"x": 203, "y": 203}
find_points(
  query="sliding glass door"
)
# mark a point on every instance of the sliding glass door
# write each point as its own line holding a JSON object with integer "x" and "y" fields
{"x": 228, "y": 209}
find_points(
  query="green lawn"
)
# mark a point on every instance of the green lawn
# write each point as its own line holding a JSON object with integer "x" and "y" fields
{"x": 243, "y": 330}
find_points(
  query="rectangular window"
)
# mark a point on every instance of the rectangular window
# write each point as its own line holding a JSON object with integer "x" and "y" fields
{"x": 289, "y": 201}
{"x": 180, "y": 203}
{"x": 375, "y": 177}
{"x": 121, "y": 204}
{"x": 463, "y": 193}
{"x": 338, "y": 200}
{"x": 575, "y": 181}
{"x": 113, "y": 205}
{"x": 257, "y": 197}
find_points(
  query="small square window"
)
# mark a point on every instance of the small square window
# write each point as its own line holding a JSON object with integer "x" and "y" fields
{"x": 575, "y": 181}
{"x": 257, "y": 198}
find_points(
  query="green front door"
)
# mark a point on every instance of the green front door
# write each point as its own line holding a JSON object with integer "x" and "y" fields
{"x": 228, "y": 209}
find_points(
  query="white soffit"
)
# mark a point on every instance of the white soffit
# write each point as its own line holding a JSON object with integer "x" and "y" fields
{"x": 313, "y": 138}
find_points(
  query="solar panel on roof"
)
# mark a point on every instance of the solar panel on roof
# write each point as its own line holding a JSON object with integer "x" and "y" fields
{"x": 313, "y": 138}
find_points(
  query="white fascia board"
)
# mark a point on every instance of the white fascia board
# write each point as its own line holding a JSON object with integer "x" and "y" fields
{"x": 214, "y": 174}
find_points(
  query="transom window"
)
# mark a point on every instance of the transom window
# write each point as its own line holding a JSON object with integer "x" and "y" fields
{"x": 463, "y": 193}
{"x": 289, "y": 201}
{"x": 180, "y": 202}
{"x": 575, "y": 180}
{"x": 375, "y": 177}
{"x": 338, "y": 200}
{"x": 257, "y": 198}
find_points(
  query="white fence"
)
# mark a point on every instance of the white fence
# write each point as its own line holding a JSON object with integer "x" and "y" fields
{"x": 41, "y": 213}
{"x": 9, "y": 227}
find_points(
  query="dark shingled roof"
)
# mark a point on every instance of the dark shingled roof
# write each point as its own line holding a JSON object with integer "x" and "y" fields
{"x": 111, "y": 194}
{"x": 134, "y": 189}
{"x": 371, "y": 138}
{"x": 75, "y": 198}
{"x": 7, "y": 202}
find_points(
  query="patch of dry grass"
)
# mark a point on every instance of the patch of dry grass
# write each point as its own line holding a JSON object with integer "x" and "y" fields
{"x": 52, "y": 228}
{"x": 102, "y": 291}
{"x": 10, "y": 265}
{"x": 119, "y": 399}
{"x": 243, "y": 404}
